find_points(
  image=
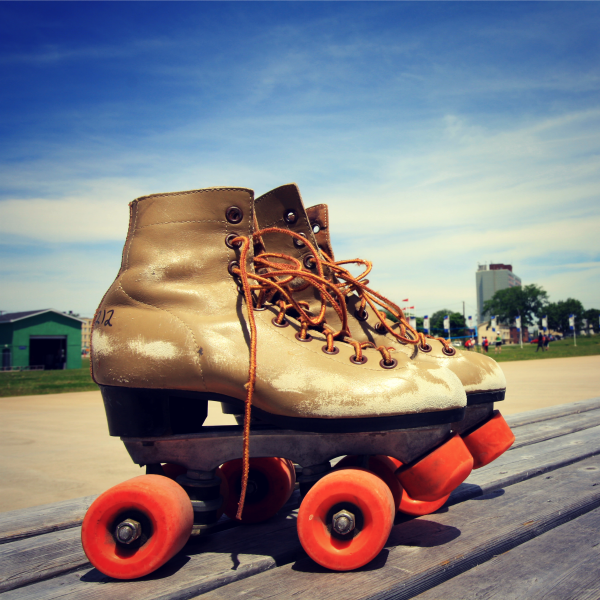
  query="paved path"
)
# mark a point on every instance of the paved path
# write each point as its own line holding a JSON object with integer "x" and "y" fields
{"x": 56, "y": 447}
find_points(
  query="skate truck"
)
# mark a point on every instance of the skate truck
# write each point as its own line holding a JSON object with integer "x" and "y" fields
{"x": 207, "y": 307}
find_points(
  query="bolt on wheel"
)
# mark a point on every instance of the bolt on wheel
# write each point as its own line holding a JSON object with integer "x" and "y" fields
{"x": 345, "y": 519}
{"x": 135, "y": 527}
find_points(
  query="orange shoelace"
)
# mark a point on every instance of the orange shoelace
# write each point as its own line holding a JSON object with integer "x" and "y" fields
{"x": 406, "y": 334}
{"x": 273, "y": 273}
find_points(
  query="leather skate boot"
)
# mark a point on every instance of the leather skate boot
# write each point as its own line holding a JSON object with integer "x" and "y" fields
{"x": 188, "y": 320}
{"x": 482, "y": 378}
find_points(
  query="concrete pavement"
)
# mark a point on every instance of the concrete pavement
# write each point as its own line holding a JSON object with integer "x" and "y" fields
{"x": 56, "y": 447}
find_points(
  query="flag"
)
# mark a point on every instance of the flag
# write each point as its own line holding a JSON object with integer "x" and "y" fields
{"x": 494, "y": 324}
{"x": 545, "y": 322}
{"x": 518, "y": 322}
{"x": 426, "y": 323}
{"x": 447, "y": 323}
{"x": 413, "y": 322}
{"x": 405, "y": 300}
{"x": 571, "y": 322}
{"x": 470, "y": 322}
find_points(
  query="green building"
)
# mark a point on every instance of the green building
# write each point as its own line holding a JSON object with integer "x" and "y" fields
{"x": 43, "y": 339}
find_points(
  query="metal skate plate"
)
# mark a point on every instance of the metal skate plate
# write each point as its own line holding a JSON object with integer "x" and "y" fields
{"x": 474, "y": 414}
{"x": 216, "y": 445}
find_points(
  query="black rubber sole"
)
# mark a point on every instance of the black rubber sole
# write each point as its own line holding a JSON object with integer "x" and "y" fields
{"x": 484, "y": 397}
{"x": 138, "y": 412}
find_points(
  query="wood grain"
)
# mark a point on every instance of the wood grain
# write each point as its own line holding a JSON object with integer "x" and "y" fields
{"x": 562, "y": 564}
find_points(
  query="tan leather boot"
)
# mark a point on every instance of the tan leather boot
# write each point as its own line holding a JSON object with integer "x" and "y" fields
{"x": 174, "y": 325}
{"x": 481, "y": 376}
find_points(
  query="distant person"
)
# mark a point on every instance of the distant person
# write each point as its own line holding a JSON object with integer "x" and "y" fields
{"x": 498, "y": 344}
{"x": 547, "y": 342}
{"x": 540, "y": 343}
{"x": 485, "y": 344}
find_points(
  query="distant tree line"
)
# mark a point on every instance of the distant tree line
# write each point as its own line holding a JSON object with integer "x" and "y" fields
{"x": 531, "y": 303}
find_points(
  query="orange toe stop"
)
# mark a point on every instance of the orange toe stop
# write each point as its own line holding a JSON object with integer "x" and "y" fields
{"x": 489, "y": 441}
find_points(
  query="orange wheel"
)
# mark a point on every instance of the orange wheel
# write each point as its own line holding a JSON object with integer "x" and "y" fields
{"x": 151, "y": 510}
{"x": 437, "y": 474}
{"x": 383, "y": 467}
{"x": 489, "y": 440}
{"x": 410, "y": 506}
{"x": 271, "y": 482}
{"x": 351, "y": 500}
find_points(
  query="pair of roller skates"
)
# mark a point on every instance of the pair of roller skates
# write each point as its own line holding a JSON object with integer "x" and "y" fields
{"x": 224, "y": 298}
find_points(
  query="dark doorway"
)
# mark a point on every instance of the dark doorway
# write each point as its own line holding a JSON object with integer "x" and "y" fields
{"x": 49, "y": 351}
{"x": 6, "y": 362}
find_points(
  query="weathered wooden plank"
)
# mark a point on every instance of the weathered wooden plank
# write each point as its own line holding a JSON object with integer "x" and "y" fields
{"x": 534, "y": 433}
{"x": 202, "y": 565}
{"x": 551, "y": 412}
{"x": 41, "y": 557}
{"x": 20, "y": 524}
{"x": 424, "y": 552}
{"x": 559, "y": 565}
{"x": 528, "y": 462}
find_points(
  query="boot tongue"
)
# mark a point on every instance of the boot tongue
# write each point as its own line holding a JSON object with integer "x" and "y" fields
{"x": 319, "y": 222}
{"x": 283, "y": 208}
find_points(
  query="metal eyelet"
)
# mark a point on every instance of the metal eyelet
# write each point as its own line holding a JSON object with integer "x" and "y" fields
{"x": 308, "y": 338}
{"x": 361, "y": 315}
{"x": 449, "y": 352}
{"x": 257, "y": 309}
{"x": 290, "y": 216}
{"x": 230, "y": 244}
{"x": 234, "y": 214}
{"x": 358, "y": 362}
{"x": 393, "y": 363}
{"x": 309, "y": 261}
{"x": 335, "y": 350}
{"x": 299, "y": 243}
{"x": 316, "y": 228}
{"x": 284, "y": 323}
{"x": 425, "y": 348}
{"x": 234, "y": 264}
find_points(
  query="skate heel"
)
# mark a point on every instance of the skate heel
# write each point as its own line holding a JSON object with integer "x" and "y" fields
{"x": 135, "y": 412}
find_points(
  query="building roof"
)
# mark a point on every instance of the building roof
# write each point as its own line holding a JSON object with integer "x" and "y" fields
{"x": 12, "y": 317}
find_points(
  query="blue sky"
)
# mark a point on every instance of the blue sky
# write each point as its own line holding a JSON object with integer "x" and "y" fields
{"x": 440, "y": 134}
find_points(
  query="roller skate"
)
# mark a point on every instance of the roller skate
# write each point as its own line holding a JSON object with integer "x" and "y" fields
{"x": 195, "y": 316}
{"x": 483, "y": 429}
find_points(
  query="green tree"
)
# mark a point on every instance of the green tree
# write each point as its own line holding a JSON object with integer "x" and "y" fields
{"x": 559, "y": 313}
{"x": 457, "y": 323}
{"x": 592, "y": 315}
{"x": 527, "y": 301}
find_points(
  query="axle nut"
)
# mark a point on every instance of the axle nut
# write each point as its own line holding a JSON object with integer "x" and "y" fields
{"x": 128, "y": 531}
{"x": 343, "y": 522}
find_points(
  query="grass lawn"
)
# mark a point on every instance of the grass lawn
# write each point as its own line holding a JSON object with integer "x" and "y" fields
{"x": 586, "y": 346}
{"x": 29, "y": 383}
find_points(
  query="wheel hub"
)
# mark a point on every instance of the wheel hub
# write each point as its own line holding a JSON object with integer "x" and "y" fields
{"x": 128, "y": 531}
{"x": 343, "y": 522}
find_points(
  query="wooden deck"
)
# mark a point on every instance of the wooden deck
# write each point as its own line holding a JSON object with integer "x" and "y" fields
{"x": 526, "y": 526}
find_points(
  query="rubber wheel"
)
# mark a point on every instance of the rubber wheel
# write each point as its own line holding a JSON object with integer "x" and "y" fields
{"x": 410, "y": 506}
{"x": 383, "y": 467}
{"x": 363, "y": 494}
{"x": 437, "y": 474}
{"x": 271, "y": 482}
{"x": 162, "y": 508}
{"x": 489, "y": 441}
